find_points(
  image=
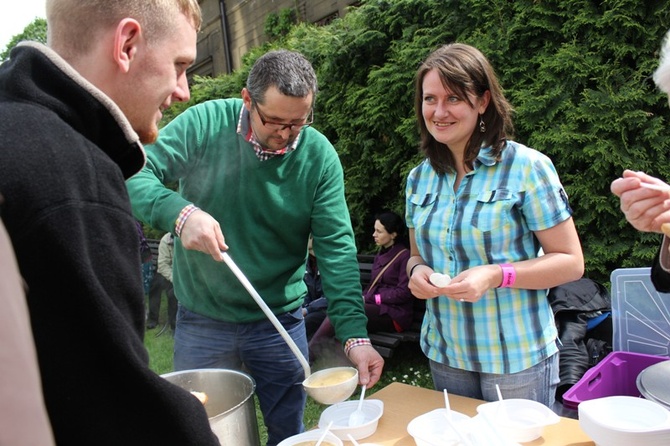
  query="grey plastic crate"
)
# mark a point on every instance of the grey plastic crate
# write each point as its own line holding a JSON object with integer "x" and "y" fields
{"x": 640, "y": 314}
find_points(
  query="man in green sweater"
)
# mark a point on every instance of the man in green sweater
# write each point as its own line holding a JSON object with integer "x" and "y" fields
{"x": 254, "y": 171}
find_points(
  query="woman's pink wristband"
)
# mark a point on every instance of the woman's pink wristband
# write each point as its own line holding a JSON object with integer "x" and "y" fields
{"x": 378, "y": 299}
{"x": 509, "y": 275}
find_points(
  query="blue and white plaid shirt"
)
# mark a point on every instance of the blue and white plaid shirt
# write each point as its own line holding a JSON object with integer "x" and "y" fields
{"x": 490, "y": 219}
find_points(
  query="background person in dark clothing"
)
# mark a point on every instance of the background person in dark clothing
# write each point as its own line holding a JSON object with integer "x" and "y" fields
{"x": 146, "y": 257}
{"x": 162, "y": 281}
{"x": 314, "y": 310}
{"x": 389, "y": 304}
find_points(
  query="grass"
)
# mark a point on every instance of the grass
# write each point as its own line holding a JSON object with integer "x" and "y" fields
{"x": 160, "y": 350}
{"x": 408, "y": 365}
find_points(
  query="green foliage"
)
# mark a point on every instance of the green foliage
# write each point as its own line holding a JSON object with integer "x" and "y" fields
{"x": 206, "y": 88}
{"x": 152, "y": 233}
{"x": 280, "y": 25}
{"x": 588, "y": 103}
{"x": 36, "y": 30}
{"x": 576, "y": 71}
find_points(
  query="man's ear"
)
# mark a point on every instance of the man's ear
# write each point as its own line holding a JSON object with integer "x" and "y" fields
{"x": 246, "y": 98}
{"x": 126, "y": 39}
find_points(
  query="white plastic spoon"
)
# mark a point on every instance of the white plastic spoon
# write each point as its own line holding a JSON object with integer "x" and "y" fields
{"x": 357, "y": 417}
{"x": 501, "y": 411}
{"x": 462, "y": 437}
{"x": 447, "y": 405}
{"x": 353, "y": 440}
{"x": 500, "y": 398}
{"x": 325, "y": 432}
{"x": 450, "y": 422}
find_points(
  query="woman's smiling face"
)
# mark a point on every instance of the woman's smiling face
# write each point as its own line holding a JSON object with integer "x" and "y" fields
{"x": 449, "y": 118}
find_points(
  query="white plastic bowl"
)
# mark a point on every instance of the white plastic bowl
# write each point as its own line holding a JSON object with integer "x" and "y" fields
{"x": 339, "y": 415}
{"x": 431, "y": 429}
{"x": 626, "y": 413}
{"x": 313, "y": 435}
{"x": 332, "y": 385}
{"x": 520, "y": 420}
{"x": 625, "y": 420}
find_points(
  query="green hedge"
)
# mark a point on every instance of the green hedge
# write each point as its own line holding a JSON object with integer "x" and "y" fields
{"x": 578, "y": 74}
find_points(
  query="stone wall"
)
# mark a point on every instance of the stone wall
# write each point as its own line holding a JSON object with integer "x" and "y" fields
{"x": 245, "y": 20}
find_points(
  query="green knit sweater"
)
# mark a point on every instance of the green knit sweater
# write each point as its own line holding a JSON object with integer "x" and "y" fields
{"x": 266, "y": 210}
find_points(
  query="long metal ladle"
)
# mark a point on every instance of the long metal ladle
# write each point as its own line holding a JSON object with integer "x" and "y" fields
{"x": 261, "y": 303}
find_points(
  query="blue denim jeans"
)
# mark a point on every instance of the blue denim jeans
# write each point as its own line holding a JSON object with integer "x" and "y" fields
{"x": 536, "y": 383}
{"x": 256, "y": 348}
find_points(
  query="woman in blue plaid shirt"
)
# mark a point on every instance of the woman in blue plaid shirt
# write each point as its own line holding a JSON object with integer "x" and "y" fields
{"x": 480, "y": 208}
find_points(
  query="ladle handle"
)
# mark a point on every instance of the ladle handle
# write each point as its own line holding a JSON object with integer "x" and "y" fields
{"x": 261, "y": 303}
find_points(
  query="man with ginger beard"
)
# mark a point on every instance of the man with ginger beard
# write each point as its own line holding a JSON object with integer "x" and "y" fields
{"x": 73, "y": 117}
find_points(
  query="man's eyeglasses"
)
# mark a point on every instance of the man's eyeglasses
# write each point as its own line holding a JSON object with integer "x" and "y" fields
{"x": 279, "y": 126}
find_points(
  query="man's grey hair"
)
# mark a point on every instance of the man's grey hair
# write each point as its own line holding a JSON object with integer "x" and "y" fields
{"x": 290, "y": 72}
{"x": 662, "y": 73}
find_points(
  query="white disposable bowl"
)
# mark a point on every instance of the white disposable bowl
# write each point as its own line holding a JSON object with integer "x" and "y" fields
{"x": 313, "y": 435}
{"x": 431, "y": 429}
{"x": 521, "y": 420}
{"x": 332, "y": 385}
{"x": 339, "y": 415}
{"x": 625, "y": 413}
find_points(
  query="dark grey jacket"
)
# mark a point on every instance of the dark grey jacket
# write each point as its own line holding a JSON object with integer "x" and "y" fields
{"x": 573, "y": 304}
{"x": 65, "y": 152}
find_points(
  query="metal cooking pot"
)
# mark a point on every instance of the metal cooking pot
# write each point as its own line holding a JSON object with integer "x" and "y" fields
{"x": 230, "y": 405}
{"x": 652, "y": 382}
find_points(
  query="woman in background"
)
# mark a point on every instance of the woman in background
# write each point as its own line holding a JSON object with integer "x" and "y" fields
{"x": 388, "y": 301}
{"x": 389, "y": 304}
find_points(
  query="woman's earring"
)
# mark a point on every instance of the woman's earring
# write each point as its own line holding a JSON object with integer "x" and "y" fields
{"x": 482, "y": 124}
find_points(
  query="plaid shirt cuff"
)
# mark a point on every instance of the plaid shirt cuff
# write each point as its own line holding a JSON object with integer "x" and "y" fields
{"x": 355, "y": 342}
{"x": 183, "y": 215}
